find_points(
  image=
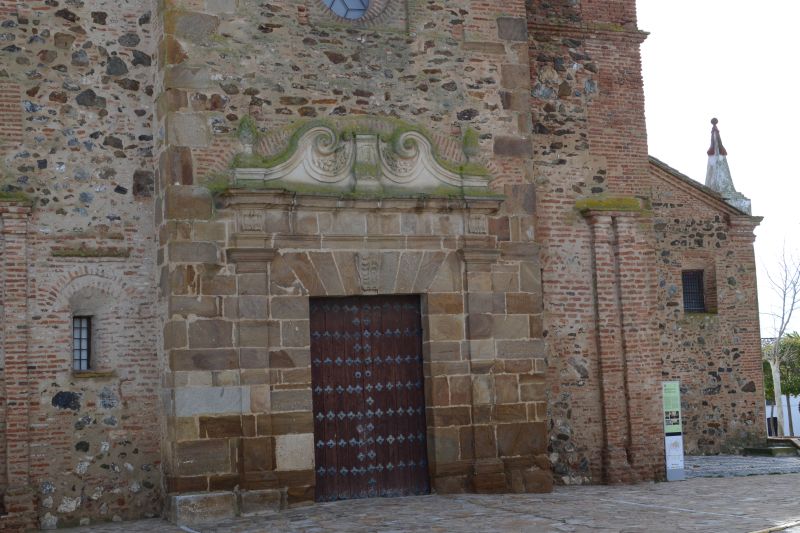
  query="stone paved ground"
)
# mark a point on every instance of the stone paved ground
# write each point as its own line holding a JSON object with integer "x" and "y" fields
{"x": 733, "y": 504}
{"x": 735, "y": 465}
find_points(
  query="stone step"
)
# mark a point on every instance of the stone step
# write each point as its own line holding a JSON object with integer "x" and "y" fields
{"x": 772, "y": 451}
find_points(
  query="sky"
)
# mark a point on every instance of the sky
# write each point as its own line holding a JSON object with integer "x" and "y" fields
{"x": 733, "y": 60}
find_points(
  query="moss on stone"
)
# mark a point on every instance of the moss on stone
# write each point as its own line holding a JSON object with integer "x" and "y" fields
{"x": 349, "y": 131}
{"x": 15, "y": 196}
{"x": 470, "y": 142}
{"x": 247, "y": 130}
{"x": 611, "y": 203}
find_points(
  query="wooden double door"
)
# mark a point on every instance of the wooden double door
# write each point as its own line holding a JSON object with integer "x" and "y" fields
{"x": 369, "y": 400}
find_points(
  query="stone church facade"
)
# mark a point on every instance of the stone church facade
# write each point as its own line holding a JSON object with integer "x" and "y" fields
{"x": 258, "y": 254}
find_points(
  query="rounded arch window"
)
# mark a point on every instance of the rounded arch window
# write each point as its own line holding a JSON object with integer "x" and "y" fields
{"x": 348, "y": 9}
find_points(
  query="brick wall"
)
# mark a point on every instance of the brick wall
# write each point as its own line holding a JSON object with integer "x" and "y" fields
{"x": 589, "y": 142}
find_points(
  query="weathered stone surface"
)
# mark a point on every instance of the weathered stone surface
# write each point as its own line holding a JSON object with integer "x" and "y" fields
{"x": 254, "y": 502}
{"x": 210, "y": 400}
{"x": 294, "y": 452}
{"x": 202, "y": 457}
{"x": 192, "y": 252}
{"x": 512, "y": 146}
{"x": 521, "y": 439}
{"x": 188, "y": 129}
{"x": 291, "y": 400}
{"x": 512, "y": 29}
{"x": 210, "y": 334}
{"x": 188, "y": 202}
{"x": 190, "y": 25}
{"x": 210, "y": 359}
{"x": 198, "y": 509}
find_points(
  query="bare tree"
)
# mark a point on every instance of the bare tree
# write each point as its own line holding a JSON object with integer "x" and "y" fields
{"x": 784, "y": 280}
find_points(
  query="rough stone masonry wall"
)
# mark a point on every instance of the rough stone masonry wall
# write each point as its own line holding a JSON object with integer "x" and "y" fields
{"x": 589, "y": 142}
{"x": 715, "y": 355}
{"x": 77, "y": 80}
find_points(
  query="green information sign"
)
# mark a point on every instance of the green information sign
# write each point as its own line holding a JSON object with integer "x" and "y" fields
{"x": 671, "y": 393}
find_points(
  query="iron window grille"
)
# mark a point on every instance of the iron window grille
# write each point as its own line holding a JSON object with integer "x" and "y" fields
{"x": 693, "y": 291}
{"x": 81, "y": 342}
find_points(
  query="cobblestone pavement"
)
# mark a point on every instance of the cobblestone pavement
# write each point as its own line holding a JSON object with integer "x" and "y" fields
{"x": 732, "y": 504}
{"x": 736, "y": 465}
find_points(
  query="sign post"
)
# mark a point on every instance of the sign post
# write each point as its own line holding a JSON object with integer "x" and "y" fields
{"x": 673, "y": 430}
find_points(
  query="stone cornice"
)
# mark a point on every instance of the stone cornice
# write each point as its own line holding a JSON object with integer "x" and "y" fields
{"x": 271, "y": 199}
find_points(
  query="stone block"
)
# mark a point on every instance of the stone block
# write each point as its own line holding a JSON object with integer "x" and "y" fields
{"x": 294, "y": 452}
{"x": 210, "y": 334}
{"x": 442, "y": 351}
{"x": 517, "y": 349}
{"x": 431, "y": 262}
{"x": 445, "y": 327}
{"x": 480, "y": 325}
{"x": 265, "y": 501}
{"x": 225, "y": 359}
{"x": 449, "y": 303}
{"x": 207, "y": 456}
{"x": 211, "y": 400}
{"x": 218, "y": 284}
{"x": 252, "y": 284}
{"x": 446, "y": 445}
{"x": 291, "y": 400}
{"x": 192, "y": 252}
{"x": 188, "y": 129}
{"x": 221, "y": 6}
{"x": 520, "y": 303}
{"x": 209, "y": 231}
{"x": 449, "y": 416}
{"x": 511, "y": 327}
{"x": 528, "y": 438}
{"x": 538, "y": 480}
{"x": 512, "y": 29}
{"x": 204, "y": 306}
{"x": 328, "y": 272}
{"x": 506, "y": 388}
{"x": 198, "y": 509}
{"x": 176, "y": 163}
{"x": 175, "y": 334}
{"x": 295, "y": 333}
{"x": 407, "y": 272}
{"x": 289, "y": 307}
{"x": 190, "y": 25}
{"x": 215, "y": 427}
{"x": 482, "y": 389}
{"x": 460, "y": 390}
{"x": 258, "y": 454}
{"x": 515, "y": 76}
{"x": 183, "y": 76}
{"x": 254, "y": 333}
{"x": 507, "y": 146}
{"x": 255, "y": 307}
{"x": 292, "y": 423}
{"x": 485, "y": 442}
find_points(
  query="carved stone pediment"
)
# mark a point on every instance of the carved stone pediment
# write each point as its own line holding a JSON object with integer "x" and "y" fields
{"x": 320, "y": 159}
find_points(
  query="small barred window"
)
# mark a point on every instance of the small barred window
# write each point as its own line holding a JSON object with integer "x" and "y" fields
{"x": 348, "y": 9}
{"x": 693, "y": 291}
{"x": 81, "y": 342}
